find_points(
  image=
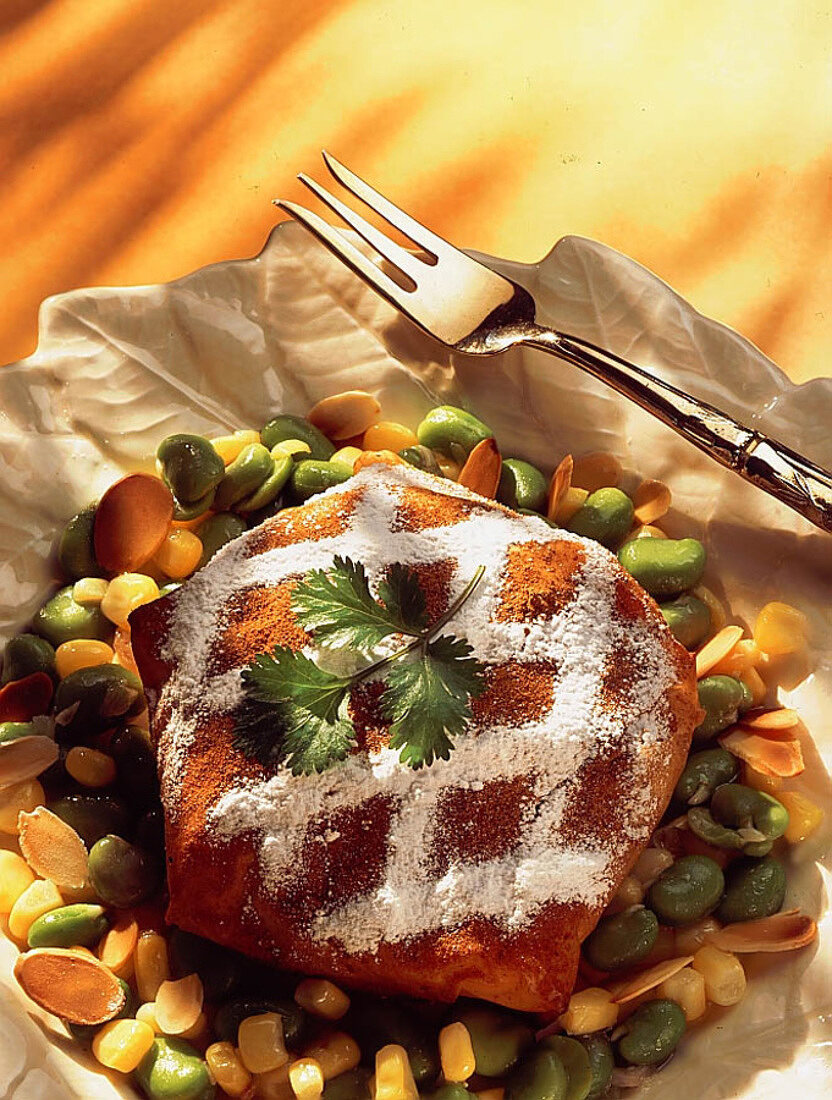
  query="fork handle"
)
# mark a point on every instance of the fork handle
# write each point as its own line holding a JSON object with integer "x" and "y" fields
{"x": 765, "y": 462}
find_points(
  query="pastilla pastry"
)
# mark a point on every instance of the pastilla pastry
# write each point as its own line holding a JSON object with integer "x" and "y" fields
{"x": 480, "y": 874}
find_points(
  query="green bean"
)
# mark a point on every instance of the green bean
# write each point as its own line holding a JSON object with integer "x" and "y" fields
{"x": 76, "y": 552}
{"x": 121, "y": 874}
{"x": 652, "y": 1033}
{"x": 311, "y": 476}
{"x": 689, "y": 889}
{"x": 268, "y": 492}
{"x": 452, "y": 431}
{"x": 422, "y": 458}
{"x": 755, "y": 888}
{"x": 451, "y": 1090}
{"x": 173, "y": 1070}
{"x": 218, "y": 967}
{"x": 606, "y": 516}
{"x": 540, "y": 1076}
{"x": 702, "y": 824}
{"x": 688, "y": 618}
{"x": 197, "y": 508}
{"x": 287, "y": 426}
{"x": 61, "y": 620}
{"x": 352, "y": 1085}
{"x": 69, "y": 926}
{"x": 12, "y": 731}
{"x": 92, "y": 815}
{"x": 741, "y": 807}
{"x": 191, "y": 467}
{"x": 703, "y": 773}
{"x": 665, "y": 567}
{"x": 622, "y": 940}
{"x": 498, "y": 1038}
{"x": 216, "y": 531}
{"x": 601, "y": 1063}
{"x": 575, "y": 1061}
{"x": 91, "y": 700}
{"x": 522, "y": 485}
{"x": 720, "y": 697}
{"x": 249, "y": 470}
{"x": 231, "y": 1014}
{"x": 25, "y": 654}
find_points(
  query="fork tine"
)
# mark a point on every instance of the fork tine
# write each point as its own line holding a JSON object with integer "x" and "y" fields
{"x": 350, "y": 255}
{"x": 392, "y": 252}
{"x": 418, "y": 233}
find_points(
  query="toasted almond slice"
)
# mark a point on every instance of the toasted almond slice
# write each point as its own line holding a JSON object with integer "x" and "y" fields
{"x": 648, "y": 979}
{"x": 559, "y": 485}
{"x": 785, "y": 931}
{"x": 745, "y": 654}
{"x": 652, "y": 501}
{"x": 71, "y": 984}
{"x": 598, "y": 470}
{"x": 717, "y": 649}
{"x": 52, "y": 848}
{"x": 481, "y": 472}
{"x": 26, "y": 758}
{"x": 123, "y": 649}
{"x": 762, "y": 720}
{"x": 377, "y": 458}
{"x": 22, "y": 700}
{"x": 178, "y": 1004}
{"x": 131, "y": 522}
{"x": 765, "y": 754}
{"x": 117, "y": 945}
{"x": 346, "y": 414}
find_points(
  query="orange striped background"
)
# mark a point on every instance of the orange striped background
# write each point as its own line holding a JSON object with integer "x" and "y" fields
{"x": 142, "y": 138}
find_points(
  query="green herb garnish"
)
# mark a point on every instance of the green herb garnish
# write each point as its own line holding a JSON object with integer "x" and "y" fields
{"x": 297, "y": 711}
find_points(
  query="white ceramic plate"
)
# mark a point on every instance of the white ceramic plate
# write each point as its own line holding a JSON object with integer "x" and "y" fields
{"x": 225, "y": 347}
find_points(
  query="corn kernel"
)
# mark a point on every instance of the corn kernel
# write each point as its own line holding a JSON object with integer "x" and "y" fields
{"x": 229, "y": 446}
{"x": 780, "y": 629}
{"x": 770, "y": 784}
{"x": 755, "y": 684}
{"x": 804, "y": 815}
{"x": 387, "y": 435}
{"x": 90, "y": 767}
{"x": 347, "y": 455}
{"x": 745, "y": 655}
{"x": 456, "y": 1052}
{"x": 42, "y": 896}
{"x": 24, "y": 796}
{"x": 260, "y": 1040}
{"x": 630, "y": 892}
{"x": 590, "y": 1010}
{"x": 321, "y": 998}
{"x": 147, "y": 1014}
{"x": 394, "y": 1079}
{"x": 648, "y": 531}
{"x": 306, "y": 1078}
{"x": 723, "y": 974}
{"x": 128, "y": 591}
{"x": 687, "y": 989}
{"x": 273, "y": 1085}
{"x": 290, "y": 447}
{"x": 151, "y": 963}
{"x": 15, "y": 877}
{"x": 569, "y": 504}
{"x": 90, "y": 591}
{"x": 227, "y": 1069}
{"x": 690, "y": 937}
{"x": 121, "y": 1044}
{"x": 336, "y": 1053}
{"x": 179, "y": 554}
{"x": 81, "y": 653}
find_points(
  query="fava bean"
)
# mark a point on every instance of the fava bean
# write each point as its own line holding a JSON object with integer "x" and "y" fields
{"x": 747, "y": 700}
{"x": 173, "y": 1070}
{"x": 353, "y": 1085}
{"x": 652, "y": 1033}
{"x": 287, "y": 426}
{"x": 687, "y": 890}
{"x": 197, "y": 508}
{"x": 12, "y": 731}
{"x": 755, "y": 888}
{"x": 191, "y": 467}
{"x": 452, "y": 431}
{"x": 76, "y": 553}
{"x": 216, "y": 531}
{"x": 703, "y": 825}
{"x": 623, "y": 939}
{"x": 231, "y": 1014}
{"x": 498, "y": 1038}
{"x": 268, "y": 492}
{"x": 451, "y": 1090}
{"x": 378, "y": 1023}
{"x": 540, "y": 1076}
{"x": 25, "y": 654}
{"x": 522, "y": 485}
{"x": 103, "y": 694}
{"x": 121, "y": 874}
{"x": 92, "y": 815}
{"x": 688, "y": 618}
{"x": 665, "y": 567}
{"x": 575, "y": 1061}
{"x": 704, "y": 772}
{"x": 601, "y": 1063}
{"x": 720, "y": 697}
{"x": 311, "y": 476}
{"x": 136, "y": 764}
{"x": 422, "y": 458}
{"x": 249, "y": 470}
{"x": 606, "y": 516}
{"x": 741, "y": 807}
{"x": 69, "y": 926}
{"x": 218, "y": 967}
{"x": 61, "y": 620}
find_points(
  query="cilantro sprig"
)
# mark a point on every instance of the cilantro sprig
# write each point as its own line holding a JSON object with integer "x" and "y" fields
{"x": 295, "y": 710}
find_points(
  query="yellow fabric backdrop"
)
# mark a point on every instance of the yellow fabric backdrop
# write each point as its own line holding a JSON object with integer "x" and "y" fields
{"x": 142, "y": 138}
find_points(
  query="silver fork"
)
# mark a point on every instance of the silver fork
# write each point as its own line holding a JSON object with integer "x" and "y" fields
{"x": 467, "y": 306}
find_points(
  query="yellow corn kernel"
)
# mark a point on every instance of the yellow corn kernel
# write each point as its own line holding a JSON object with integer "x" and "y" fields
{"x": 179, "y": 554}
{"x": 90, "y": 591}
{"x": 290, "y": 448}
{"x": 755, "y": 684}
{"x": 229, "y": 446}
{"x": 630, "y": 892}
{"x": 15, "y": 877}
{"x": 723, "y": 974}
{"x": 447, "y": 466}
{"x": 394, "y": 1079}
{"x": 347, "y": 455}
{"x": 336, "y": 1052}
{"x": 306, "y": 1078}
{"x": 42, "y": 896}
{"x": 590, "y": 1010}
{"x": 81, "y": 653}
{"x": 147, "y": 1014}
{"x": 90, "y": 767}
{"x": 648, "y": 531}
{"x": 128, "y": 591}
{"x": 690, "y": 937}
{"x": 770, "y": 784}
{"x": 687, "y": 989}
{"x": 804, "y": 815}
{"x": 151, "y": 963}
{"x": 780, "y": 629}
{"x": 456, "y": 1052}
{"x": 121, "y": 1044}
{"x": 26, "y": 796}
{"x": 569, "y": 504}
{"x": 387, "y": 435}
{"x": 273, "y": 1085}
{"x": 227, "y": 1069}
{"x": 322, "y": 998}
{"x": 260, "y": 1041}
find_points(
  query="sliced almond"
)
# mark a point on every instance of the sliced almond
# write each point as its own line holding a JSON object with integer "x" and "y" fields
{"x": 786, "y": 931}
{"x": 70, "y": 984}
{"x": 131, "y": 522}
{"x": 178, "y": 1004}
{"x": 123, "y": 649}
{"x": 481, "y": 472}
{"x": 598, "y": 470}
{"x": 118, "y": 944}
{"x": 652, "y": 500}
{"x": 22, "y": 700}
{"x": 559, "y": 486}
{"x": 648, "y": 979}
{"x": 762, "y": 720}
{"x": 717, "y": 649}
{"x": 377, "y": 458}
{"x": 783, "y": 759}
{"x": 345, "y": 414}
{"x": 52, "y": 848}
{"x": 26, "y": 758}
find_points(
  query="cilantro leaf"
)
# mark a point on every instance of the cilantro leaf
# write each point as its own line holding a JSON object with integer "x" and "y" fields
{"x": 259, "y": 731}
{"x": 287, "y": 676}
{"x": 336, "y": 605}
{"x": 428, "y": 701}
{"x": 404, "y": 598}
{"x": 313, "y": 744}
